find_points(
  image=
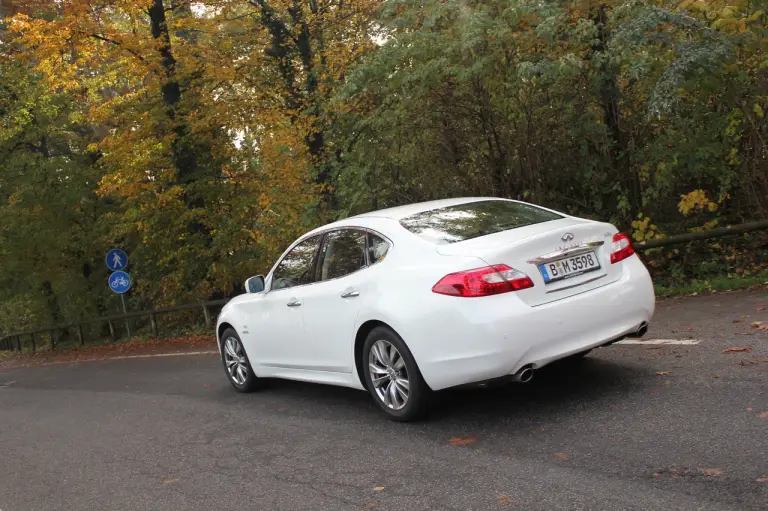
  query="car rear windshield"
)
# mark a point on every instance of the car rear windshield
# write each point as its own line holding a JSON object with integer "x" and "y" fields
{"x": 472, "y": 219}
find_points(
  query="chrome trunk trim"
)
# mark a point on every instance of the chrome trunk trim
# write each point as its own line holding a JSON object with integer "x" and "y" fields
{"x": 553, "y": 256}
{"x": 577, "y": 285}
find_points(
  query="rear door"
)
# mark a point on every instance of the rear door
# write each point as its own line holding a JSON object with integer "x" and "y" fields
{"x": 332, "y": 304}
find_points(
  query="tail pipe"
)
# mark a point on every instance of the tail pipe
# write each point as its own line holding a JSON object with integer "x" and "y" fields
{"x": 641, "y": 331}
{"x": 524, "y": 375}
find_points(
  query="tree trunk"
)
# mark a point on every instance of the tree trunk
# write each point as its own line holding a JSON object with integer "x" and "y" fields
{"x": 183, "y": 155}
{"x": 609, "y": 95}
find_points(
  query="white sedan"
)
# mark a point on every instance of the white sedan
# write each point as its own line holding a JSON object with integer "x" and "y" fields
{"x": 419, "y": 298}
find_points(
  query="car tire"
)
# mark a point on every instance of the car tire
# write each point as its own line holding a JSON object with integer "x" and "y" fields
{"x": 387, "y": 392}
{"x": 237, "y": 366}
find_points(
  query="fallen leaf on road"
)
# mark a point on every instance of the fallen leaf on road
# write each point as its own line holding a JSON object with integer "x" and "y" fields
{"x": 737, "y": 321}
{"x": 750, "y": 409}
{"x": 378, "y": 488}
{"x": 560, "y": 455}
{"x": 763, "y": 479}
{"x": 763, "y": 415}
{"x": 760, "y": 308}
{"x": 737, "y": 348}
{"x": 744, "y": 333}
{"x": 466, "y": 440}
{"x": 170, "y": 481}
{"x": 715, "y": 376}
{"x": 712, "y": 472}
{"x": 663, "y": 373}
{"x": 207, "y": 385}
{"x": 759, "y": 325}
{"x": 754, "y": 362}
{"x": 504, "y": 499}
{"x": 370, "y": 505}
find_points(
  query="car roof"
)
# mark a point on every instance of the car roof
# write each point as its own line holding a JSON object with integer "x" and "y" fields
{"x": 396, "y": 213}
{"x": 400, "y": 212}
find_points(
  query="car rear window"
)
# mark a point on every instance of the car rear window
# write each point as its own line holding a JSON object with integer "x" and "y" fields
{"x": 473, "y": 219}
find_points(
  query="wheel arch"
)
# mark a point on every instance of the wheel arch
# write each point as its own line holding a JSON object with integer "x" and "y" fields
{"x": 360, "y": 337}
{"x": 220, "y": 331}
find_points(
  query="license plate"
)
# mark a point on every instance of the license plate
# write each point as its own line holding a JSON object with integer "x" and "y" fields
{"x": 569, "y": 267}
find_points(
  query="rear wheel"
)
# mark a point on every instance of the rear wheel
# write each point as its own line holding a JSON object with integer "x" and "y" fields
{"x": 236, "y": 363}
{"x": 392, "y": 376}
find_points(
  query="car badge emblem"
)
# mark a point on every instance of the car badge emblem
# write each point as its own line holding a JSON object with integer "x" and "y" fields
{"x": 567, "y": 236}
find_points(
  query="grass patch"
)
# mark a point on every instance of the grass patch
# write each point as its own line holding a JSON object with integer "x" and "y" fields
{"x": 718, "y": 284}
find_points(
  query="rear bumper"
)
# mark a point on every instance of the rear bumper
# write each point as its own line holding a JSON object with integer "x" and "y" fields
{"x": 496, "y": 336}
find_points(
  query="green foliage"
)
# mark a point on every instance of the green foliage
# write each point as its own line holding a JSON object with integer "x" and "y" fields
{"x": 202, "y": 138}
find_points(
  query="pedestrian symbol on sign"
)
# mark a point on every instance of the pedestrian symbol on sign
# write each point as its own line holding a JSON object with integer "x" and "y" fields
{"x": 117, "y": 259}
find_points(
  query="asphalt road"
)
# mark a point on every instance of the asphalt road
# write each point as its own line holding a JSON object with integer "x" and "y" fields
{"x": 170, "y": 433}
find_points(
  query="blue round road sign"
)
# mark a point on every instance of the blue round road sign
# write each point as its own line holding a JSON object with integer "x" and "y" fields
{"x": 117, "y": 259}
{"x": 119, "y": 282}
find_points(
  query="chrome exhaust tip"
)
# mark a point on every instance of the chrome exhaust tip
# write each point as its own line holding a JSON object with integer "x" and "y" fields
{"x": 640, "y": 332}
{"x": 524, "y": 375}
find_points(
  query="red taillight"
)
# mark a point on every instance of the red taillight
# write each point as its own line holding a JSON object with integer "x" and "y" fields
{"x": 622, "y": 247}
{"x": 491, "y": 280}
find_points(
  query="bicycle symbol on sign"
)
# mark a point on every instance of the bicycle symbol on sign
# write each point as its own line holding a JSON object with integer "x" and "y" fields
{"x": 120, "y": 282}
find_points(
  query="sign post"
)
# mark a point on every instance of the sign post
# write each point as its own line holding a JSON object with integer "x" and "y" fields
{"x": 119, "y": 281}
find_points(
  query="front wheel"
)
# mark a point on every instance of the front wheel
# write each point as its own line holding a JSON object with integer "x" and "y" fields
{"x": 392, "y": 376}
{"x": 236, "y": 363}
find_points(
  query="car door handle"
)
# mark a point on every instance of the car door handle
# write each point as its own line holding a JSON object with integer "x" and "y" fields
{"x": 294, "y": 303}
{"x": 350, "y": 294}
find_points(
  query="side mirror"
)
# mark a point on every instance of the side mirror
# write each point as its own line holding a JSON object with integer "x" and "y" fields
{"x": 255, "y": 284}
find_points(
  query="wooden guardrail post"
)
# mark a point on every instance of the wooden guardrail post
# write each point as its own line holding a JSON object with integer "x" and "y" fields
{"x": 18, "y": 342}
{"x": 53, "y": 339}
{"x": 112, "y": 330}
{"x": 153, "y": 324}
{"x": 80, "y": 335}
{"x": 207, "y": 314}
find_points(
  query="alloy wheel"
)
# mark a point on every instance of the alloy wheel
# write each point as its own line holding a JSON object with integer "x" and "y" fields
{"x": 389, "y": 374}
{"x": 235, "y": 361}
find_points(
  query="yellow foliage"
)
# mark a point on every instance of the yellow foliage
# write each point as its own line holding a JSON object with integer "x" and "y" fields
{"x": 644, "y": 229}
{"x": 697, "y": 200}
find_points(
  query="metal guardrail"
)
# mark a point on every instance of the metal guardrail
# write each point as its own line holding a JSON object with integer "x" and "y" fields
{"x": 13, "y": 341}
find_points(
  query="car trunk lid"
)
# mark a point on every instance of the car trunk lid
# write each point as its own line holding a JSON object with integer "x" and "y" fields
{"x": 574, "y": 253}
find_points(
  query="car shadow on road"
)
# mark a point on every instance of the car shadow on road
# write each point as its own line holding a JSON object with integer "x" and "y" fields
{"x": 555, "y": 388}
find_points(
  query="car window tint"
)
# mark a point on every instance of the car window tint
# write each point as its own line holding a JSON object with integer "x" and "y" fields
{"x": 343, "y": 252}
{"x": 377, "y": 248}
{"x": 473, "y": 219}
{"x": 296, "y": 267}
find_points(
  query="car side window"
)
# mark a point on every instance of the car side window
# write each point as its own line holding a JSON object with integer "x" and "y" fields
{"x": 342, "y": 253}
{"x": 377, "y": 248}
{"x": 296, "y": 267}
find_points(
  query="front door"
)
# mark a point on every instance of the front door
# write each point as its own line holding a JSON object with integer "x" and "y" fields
{"x": 277, "y": 329}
